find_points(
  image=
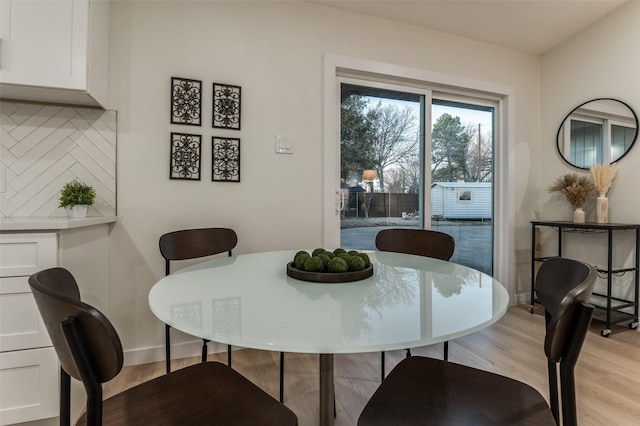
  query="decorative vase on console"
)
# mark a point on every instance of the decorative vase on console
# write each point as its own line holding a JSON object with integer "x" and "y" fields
{"x": 603, "y": 176}
{"x": 576, "y": 189}
{"x": 602, "y": 208}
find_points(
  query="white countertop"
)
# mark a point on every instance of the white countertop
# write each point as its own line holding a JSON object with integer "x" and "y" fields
{"x": 51, "y": 223}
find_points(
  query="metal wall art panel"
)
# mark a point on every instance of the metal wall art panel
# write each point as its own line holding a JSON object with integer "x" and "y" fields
{"x": 225, "y": 159}
{"x": 186, "y": 101}
{"x": 185, "y": 157}
{"x": 226, "y": 106}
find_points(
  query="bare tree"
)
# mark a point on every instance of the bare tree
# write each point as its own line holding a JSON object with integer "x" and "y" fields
{"x": 479, "y": 155}
{"x": 394, "y": 137}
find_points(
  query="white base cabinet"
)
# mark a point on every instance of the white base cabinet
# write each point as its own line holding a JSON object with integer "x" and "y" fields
{"x": 29, "y": 385}
{"x": 28, "y": 363}
{"x": 29, "y": 367}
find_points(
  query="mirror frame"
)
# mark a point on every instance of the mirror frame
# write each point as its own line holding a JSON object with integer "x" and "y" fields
{"x": 635, "y": 138}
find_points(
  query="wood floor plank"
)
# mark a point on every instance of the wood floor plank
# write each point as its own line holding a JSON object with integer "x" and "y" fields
{"x": 607, "y": 374}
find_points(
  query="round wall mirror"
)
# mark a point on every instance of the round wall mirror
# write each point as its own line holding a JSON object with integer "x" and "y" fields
{"x": 599, "y": 131}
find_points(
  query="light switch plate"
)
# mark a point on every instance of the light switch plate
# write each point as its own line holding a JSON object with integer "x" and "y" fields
{"x": 284, "y": 144}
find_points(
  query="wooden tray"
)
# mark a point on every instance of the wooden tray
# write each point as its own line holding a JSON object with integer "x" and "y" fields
{"x": 329, "y": 277}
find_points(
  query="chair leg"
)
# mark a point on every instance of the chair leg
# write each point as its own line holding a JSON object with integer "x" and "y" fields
{"x": 205, "y": 351}
{"x": 65, "y": 398}
{"x": 553, "y": 390}
{"x": 167, "y": 347}
{"x": 408, "y": 353}
{"x": 229, "y": 355}
{"x": 382, "y": 367}
{"x": 446, "y": 351}
{"x": 282, "y": 377}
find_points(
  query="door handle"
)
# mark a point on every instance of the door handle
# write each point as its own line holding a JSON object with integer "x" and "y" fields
{"x": 340, "y": 201}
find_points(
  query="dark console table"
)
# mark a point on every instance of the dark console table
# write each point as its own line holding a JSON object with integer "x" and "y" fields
{"x": 615, "y": 310}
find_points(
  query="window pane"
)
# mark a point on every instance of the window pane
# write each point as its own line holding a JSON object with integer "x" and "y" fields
{"x": 621, "y": 140}
{"x": 586, "y": 143}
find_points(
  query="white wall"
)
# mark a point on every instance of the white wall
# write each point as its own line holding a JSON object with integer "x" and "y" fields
{"x": 602, "y": 61}
{"x": 273, "y": 50}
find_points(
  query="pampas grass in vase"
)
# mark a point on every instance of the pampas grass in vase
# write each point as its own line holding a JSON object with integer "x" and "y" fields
{"x": 603, "y": 176}
{"x": 576, "y": 189}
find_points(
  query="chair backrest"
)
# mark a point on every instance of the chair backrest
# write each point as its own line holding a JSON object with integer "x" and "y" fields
{"x": 58, "y": 299}
{"x": 421, "y": 242}
{"x": 194, "y": 243}
{"x": 561, "y": 286}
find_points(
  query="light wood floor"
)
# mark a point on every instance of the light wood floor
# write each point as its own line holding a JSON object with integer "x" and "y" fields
{"x": 608, "y": 371}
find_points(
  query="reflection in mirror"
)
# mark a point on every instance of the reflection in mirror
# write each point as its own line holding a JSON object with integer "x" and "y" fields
{"x": 600, "y": 131}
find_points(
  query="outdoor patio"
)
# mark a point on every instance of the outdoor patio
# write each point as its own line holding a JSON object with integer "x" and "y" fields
{"x": 473, "y": 238}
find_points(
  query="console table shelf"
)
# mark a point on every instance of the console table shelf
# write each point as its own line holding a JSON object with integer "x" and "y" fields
{"x": 609, "y": 308}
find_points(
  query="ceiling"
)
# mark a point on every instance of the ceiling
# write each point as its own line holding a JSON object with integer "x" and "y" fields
{"x": 533, "y": 26}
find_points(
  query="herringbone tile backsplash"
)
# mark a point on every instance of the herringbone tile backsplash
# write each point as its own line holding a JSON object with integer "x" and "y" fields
{"x": 42, "y": 147}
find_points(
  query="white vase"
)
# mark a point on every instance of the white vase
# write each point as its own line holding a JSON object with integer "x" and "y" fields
{"x": 602, "y": 208}
{"x": 78, "y": 211}
{"x": 578, "y": 215}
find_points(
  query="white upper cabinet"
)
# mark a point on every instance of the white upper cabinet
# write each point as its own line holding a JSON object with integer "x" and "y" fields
{"x": 55, "y": 51}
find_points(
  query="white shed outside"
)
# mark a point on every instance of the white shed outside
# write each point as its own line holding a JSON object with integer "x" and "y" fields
{"x": 461, "y": 200}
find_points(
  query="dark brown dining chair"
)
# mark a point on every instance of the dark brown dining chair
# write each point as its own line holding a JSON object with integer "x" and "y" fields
{"x": 420, "y": 242}
{"x": 192, "y": 244}
{"x": 89, "y": 350}
{"x": 423, "y": 390}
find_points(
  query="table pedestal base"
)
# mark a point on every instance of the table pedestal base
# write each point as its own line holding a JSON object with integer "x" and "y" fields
{"x": 327, "y": 390}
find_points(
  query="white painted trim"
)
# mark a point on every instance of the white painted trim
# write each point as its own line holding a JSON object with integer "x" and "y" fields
{"x": 504, "y": 216}
{"x": 189, "y": 349}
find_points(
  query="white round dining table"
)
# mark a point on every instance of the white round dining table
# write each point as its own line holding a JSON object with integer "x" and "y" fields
{"x": 249, "y": 301}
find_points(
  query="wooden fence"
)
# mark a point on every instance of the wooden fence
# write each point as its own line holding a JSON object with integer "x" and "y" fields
{"x": 381, "y": 204}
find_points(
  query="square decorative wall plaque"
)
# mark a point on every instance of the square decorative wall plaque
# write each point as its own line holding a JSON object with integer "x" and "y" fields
{"x": 226, "y": 106}
{"x": 225, "y": 159}
{"x": 186, "y": 101}
{"x": 185, "y": 156}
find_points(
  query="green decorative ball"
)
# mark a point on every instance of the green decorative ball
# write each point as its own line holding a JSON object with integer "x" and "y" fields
{"x": 300, "y": 259}
{"x": 338, "y": 264}
{"x": 365, "y": 257}
{"x": 313, "y": 264}
{"x": 299, "y": 253}
{"x": 339, "y": 251}
{"x": 325, "y": 259}
{"x": 355, "y": 263}
{"x": 344, "y": 255}
{"x": 318, "y": 251}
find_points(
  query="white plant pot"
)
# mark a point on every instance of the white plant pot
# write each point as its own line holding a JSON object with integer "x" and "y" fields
{"x": 78, "y": 211}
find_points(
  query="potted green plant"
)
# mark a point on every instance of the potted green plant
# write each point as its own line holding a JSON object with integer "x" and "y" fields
{"x": 76, "y": 197}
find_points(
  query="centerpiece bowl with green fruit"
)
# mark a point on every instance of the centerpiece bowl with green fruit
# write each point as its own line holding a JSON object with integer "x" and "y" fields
{"x": 326, "y": 266}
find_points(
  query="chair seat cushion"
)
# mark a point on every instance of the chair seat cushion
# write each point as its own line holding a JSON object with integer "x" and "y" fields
{"x": 443, "y": 393}
{"x": 205, "y": 393}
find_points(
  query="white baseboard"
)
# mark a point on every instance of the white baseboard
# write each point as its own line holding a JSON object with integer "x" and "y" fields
{"x": 146, "y": 355}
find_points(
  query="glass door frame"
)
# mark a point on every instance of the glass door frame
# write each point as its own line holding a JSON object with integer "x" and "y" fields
{"x": 335, "y": 66}
{"x": 425, "y": 143}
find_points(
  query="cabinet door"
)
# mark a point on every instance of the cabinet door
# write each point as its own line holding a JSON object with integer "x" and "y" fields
{"x": 28, "y": 385}
{"x": 22, "y": 254}
{"x": 21, "y": 326}
{"x": 44, "y": 43}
